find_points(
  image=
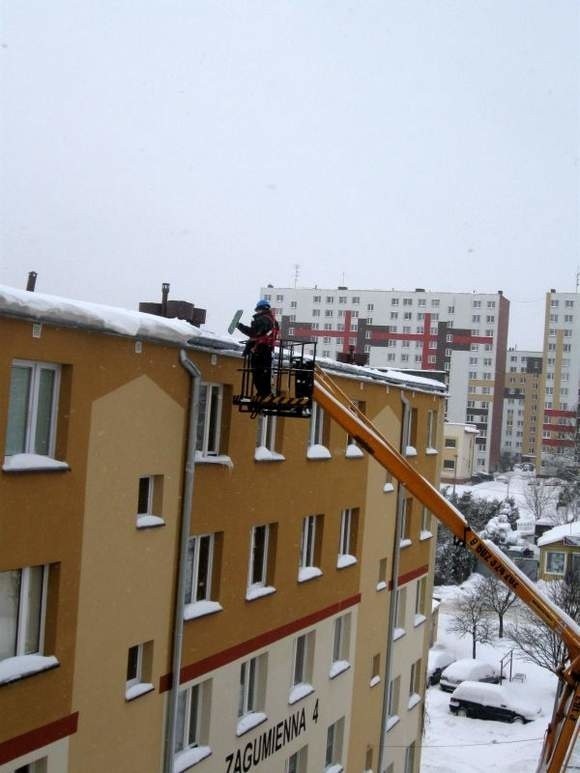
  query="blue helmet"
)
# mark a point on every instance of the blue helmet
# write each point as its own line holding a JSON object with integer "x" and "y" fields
{"x": 262, "y": 305}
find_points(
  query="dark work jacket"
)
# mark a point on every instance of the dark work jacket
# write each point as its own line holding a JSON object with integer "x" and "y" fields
{"x": 262, "y": 331}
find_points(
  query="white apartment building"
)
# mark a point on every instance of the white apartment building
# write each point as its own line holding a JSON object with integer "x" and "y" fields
{"x": 557, "y": 433}
{"x": 463, "y": 334}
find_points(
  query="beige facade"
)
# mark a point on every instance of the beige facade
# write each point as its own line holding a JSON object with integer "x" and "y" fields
{"x": 522, "y": 405}
{"x": 292, "y": 562}
{"x": 458, "y": 449}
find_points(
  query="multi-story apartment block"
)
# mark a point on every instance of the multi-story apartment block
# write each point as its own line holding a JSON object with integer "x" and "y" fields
{"x": 521, "y": 404}
{"x": 184, "y": 588}
{"x": 557, "y": 426}
{"x": 464, "y": 334}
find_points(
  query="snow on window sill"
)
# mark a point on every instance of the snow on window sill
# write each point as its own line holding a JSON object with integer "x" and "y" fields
{"x": 381, "y": 585}
{"x": 249, "y": 721}
{"x": 257, "y": 591}
{"x": 353, "y": 451}
{"x": 12, "y": 669}
{"x": 410, "y": 451}
{"x": 200, "y": 609}
{"x": 374, "y": 681}
{"x": 316, "y": 451}
{"x": 225, "y": 461}
{"x": 338, "y": 667}
{"x": 431, "y": 451}
{"x": 388, "y": 487}
{"x": 263, "y": 454}
{"x": 299, "y": 691}
{"x": 136, "y": 690}
{"x": 33, "y": 463}
{"x": 404, "y": 543}
{"x": 414, "y": 699}
{"x": 419, "y": 619}
{"x": 190, "y": 757}
{"x": 336, "y": 768}
{"x": 344, "y": 560}
{"x": 425, "y": 535}
{"x": 149, "y": 521}
{"x": 306, "y": 573}
{"x": 398, "y": 633}
{"x": 392, "y": 721}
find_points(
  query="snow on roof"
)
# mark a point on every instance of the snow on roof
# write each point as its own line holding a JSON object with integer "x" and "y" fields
{"x": 108, "y": 319}
{"x": 559, "y": 533}
{"x": 388, "y": 375}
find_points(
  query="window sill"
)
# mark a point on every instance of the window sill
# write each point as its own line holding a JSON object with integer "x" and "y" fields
{"x": 201, "y": 609}
{"x": 398, "y": 633}
{"x": 23, "y": 666}
{"x": 316, "y": 451}
{"x": 374, "y": 681}
{"x": 353, "y": 452}
{"x": 137, "y": 690}
{"x": 306, "y": 573}
{"x": 410, "y": 451}
{"x": 382, "y": 585}
{"x": 250, "y": 721}
{"x": 431, "y": 451}
{"x": 222, "y": 459}
{"x": 336, "y": 768}
{"x": 404, "y": 543}
{"x": 414, "y": 699}
{"x": 392, "y": 721}
{"x": 33, "y": 463}
{"x": 190, "y": 757}
{"x": 425, "y": 535}
{"x": 344, "y": 560}
{"x": 419, "y": 620}
{"x": 263, "y": 454}
{"x": 149, "y": 521}
{"x": 338, "y": 668}
{"x": 388, "y": 487}
{"x": 299, "y": 691}
{"x": 258, "y": 591}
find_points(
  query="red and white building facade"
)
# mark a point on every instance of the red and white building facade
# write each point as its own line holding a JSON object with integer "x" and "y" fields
{"x": 463, "y": 334}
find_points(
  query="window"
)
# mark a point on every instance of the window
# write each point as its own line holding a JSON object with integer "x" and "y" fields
{"x": 334, "y": 737}
{"x": 268, "y": 439}
{"x": 32, "y": 408}
{"x": 410, "y": 758}
{"x": 425, "y": 522}
{"x": 202, "y": 554}
{"x": 340, "y": 644}
{"x": 302, "y": 664}
{"x": 310, "y": 543}
{"x": 138, "y": 679}
{"x": 555, "y": 562}
{"x": 415, "y": 680}
{"x": 405, "y": 522}
{"x": 382, "y": 574}
{"x": 316, "y": 298}
{"x": 209, "y": 421}
{"x": 356, "y": 299}
{"x": 393, "y": 701}
{"x": 318, "y": 429}
{"x": 450, "y": 442}
{"x": 262, "y": 550}
{"x": 38, "y": 766}
{"x": 342, "y": 298}
{"x": 394, "y": 301}
{"x": 369, "y": 758}
{"x": 420, "y": 595}
{"x": 330, "y": 299}
{"x": 370, "y": 306}
{"x": 23, "y": 594}
{"x": 431, "y": 429}
{"x": 149, "y": 501}
{"x": 400, "y": 608}
{"x": 348, "y": 534}
{"x": 252, "y": 687}
{"x": 193, "y": 711}
{"x": 298, "y": 762}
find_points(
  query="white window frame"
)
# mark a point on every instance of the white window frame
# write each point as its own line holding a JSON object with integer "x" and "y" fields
{"x": 341, "y": 638}
{"x": 431, "y": 429}
{"x": 210, "y": 446}
{"x": 316, "y": 429}
{"x": 23, "y": 613}
{"x": 32, "y": 407}
{"x": 298, "y": 762}
{"x": 267, "y": 427}
{"x": 334, "y": 744}
{"x": 401, "y": 608}
{"x": 194, "y": 702}
{"x": 420, "y": 596}
{"x": 252, "y": 683}
{"x": 131, "y": 681}
{"x": 150, "y": 493}
{"x": 410, "y": 757}
{"x": 262, "y": 572}
{"x": 193, "y": 588}
{"x": 308, "y": 541}
{"x": 302, "y": 659}
{"x": 550, "y": 553}
{"x": 393, "y": 698}
{"x": 346, "y": 533}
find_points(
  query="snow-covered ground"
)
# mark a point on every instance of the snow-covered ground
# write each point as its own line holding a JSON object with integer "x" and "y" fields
{"x": 468, "y": 745}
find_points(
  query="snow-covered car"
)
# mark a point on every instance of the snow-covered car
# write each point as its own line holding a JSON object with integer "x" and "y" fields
{"x": 438, "y": 660}
{"x": 467, "y": 669}
{"x": 492, "y": 701}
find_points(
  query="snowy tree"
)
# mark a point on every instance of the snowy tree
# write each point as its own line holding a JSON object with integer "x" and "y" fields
{"x": 538, "y": 643}
{"x": 498, "y": 598}
{"x": 471, "y": 618}
{"x": 539, "y": 498}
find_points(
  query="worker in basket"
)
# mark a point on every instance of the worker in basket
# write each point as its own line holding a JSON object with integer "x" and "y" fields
{"x": 262, "y": 335}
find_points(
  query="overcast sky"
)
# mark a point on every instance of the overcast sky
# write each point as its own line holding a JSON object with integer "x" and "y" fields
{"x": 215, "y": 145}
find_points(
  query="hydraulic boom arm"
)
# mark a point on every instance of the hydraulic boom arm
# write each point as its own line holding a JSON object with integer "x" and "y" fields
{"x": 562, "y": 730}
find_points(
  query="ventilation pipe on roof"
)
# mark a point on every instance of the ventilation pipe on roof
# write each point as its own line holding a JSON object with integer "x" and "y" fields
{"x": 164, "y": 297}
{"x": 31, "y": 281}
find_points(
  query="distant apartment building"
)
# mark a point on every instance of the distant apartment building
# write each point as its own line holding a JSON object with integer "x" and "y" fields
{"x": 464, "y": 334}
{"x": 558, "y": 433}
{"x": 185, "y": 588}
{"x": 522, "y": 405}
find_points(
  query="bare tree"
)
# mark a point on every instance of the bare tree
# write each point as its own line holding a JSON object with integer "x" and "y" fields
{"x": 471, "y": 618}
{"x": 538, "y": 643}
{"x": 539, "y": 498}
{"x": 498, "y": 598}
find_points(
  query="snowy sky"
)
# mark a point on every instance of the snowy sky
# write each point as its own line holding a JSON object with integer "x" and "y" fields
{"x": 214, "y": 145}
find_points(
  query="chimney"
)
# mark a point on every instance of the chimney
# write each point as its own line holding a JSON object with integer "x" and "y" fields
{"x": 174, "y": 309}
{"x": 31, "y": 282}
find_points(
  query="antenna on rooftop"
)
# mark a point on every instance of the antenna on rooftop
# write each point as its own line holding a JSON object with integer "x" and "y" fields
{"x": 296, "y": 273}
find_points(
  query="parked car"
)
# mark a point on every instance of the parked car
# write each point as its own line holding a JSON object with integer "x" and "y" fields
{"x": 438, "y": 660}
{"x": 492, "y": 701}
{"x": 467, "y": 669}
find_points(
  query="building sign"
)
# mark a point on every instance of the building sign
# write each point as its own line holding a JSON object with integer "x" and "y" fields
{"x": 269, "y": 742}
